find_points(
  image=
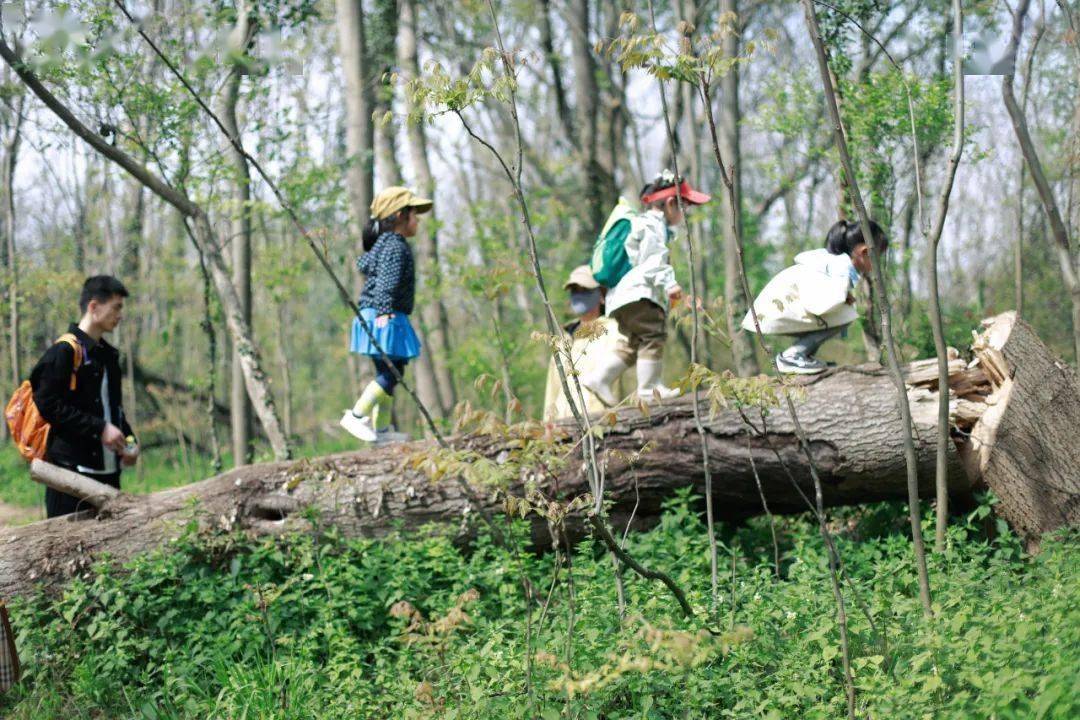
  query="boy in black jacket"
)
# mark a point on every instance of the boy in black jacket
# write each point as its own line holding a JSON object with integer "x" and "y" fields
{"x": 88, "y": 428}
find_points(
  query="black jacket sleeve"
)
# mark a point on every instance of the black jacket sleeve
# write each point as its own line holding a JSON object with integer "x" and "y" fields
{"x": 50, "y": 380}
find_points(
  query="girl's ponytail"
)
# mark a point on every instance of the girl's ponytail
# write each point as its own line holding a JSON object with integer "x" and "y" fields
{"x": 845, "y": 235}
{"x": 371, "y": 232}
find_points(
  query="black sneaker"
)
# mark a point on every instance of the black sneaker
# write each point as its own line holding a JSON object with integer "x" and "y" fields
{"x": 799, "y": 364}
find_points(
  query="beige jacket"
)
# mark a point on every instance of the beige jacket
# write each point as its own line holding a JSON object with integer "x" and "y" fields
{"x": 587, "y": 354}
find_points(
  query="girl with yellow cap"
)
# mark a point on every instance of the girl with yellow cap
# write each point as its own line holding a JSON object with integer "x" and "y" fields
{"x": 383, "y": 331}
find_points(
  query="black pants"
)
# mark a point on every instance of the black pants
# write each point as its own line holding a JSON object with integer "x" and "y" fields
{"x": 58, "y": 503}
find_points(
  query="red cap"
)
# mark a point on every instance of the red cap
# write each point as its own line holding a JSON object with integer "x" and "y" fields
{"x": 689, "y": 194}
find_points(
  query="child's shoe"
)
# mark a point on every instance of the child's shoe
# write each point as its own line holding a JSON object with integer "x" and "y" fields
{"x": 359, "y": 426}
{"x": 799, "y": 364}
{"x": 649, "y": 386}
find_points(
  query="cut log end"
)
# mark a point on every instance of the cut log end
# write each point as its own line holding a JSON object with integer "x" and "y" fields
{"x": 1024, "y": 446}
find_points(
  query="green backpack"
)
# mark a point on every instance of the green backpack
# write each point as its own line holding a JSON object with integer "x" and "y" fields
{"x": 609, "y": 259}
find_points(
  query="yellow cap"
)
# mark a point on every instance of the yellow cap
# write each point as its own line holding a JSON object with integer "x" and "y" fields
{"x": 395, "y": 198}
{"x": 582, "y": 277}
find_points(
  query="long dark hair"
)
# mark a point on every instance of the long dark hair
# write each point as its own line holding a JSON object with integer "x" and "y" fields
{"x": 846, "y": 235}
{"x": 373, "y": 228}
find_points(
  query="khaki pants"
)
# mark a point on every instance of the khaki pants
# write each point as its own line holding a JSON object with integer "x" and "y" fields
{"x": 643, "y": 325}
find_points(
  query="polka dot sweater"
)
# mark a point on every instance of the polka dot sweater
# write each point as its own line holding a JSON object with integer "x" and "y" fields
{"x": 390, "y": 285}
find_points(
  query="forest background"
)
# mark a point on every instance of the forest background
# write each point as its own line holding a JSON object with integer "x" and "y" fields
{"x": 321, "y": 97}
{"x": 333, "y": 100}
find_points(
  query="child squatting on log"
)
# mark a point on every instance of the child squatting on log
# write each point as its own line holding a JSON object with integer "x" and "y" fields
{"x": 631, "y": 258}
{"x": 383, "y": 331}
{"x": 812, "y": 300}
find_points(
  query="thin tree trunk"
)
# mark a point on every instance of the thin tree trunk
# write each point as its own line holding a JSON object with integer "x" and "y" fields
{"x": 434, "y": 313}
{"x": 239, "y": 229}
{"x": 598, "y": 184}
{"x": 691, "y": 160}
{"x": 130, "y": 266}
{"x": 1066, "y": 259}
{"x": 283, "y": 321}
{"x": 359, "y": 104}
{"x": 735, "y": 301}
{"x": 11, "y": 154}
{"x": 906, "y": 299}
{"x": 382, "y": 29}
{"x": 1018, "y": 245}
{"x": 936, "y": 323}
{"x": 883, "y": 302}
{"x": 547, "y": 45}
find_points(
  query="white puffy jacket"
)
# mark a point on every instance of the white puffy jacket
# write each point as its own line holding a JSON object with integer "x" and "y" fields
{"x": 651, "y": 277}
{"x": 809, "y": 295}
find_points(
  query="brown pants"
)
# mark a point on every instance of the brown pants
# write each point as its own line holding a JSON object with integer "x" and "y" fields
{"x": 643, "y": 324}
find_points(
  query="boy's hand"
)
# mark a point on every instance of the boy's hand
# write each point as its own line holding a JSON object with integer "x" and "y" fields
{"x": 382, "y": 320}
{"x": 675, "y": 295}
{"x": 112, "y": 438}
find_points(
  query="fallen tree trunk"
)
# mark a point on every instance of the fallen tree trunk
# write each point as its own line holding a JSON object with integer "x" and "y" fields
{"x": 849, "y": 413}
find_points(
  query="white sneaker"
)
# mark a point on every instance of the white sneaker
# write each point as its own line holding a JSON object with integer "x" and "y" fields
{"x": 359, "y": 427}
{"x": 799, "y": 364}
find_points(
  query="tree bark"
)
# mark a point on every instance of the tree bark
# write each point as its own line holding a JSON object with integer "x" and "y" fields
{"x": 735, "y": 302}
{"x": 547, "y": 45}
{"x": 240, "y": 229}
{"x": 11, "y": 153}
{"x": 1018, "y": 404}
{"x": 598, "y": 184}
{"x": 436, "y": 322}
{"x": 381, "y": 31}
{"x": 202, "y": 237}
{"x": 359, "y": 104}
{"x": 1024, "y": 446}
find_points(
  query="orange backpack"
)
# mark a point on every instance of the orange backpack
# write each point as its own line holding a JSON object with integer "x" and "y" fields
{"x": 28, "y": 429}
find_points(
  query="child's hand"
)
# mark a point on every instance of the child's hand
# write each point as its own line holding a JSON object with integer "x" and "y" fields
{"x": 382, "y": 320}
{"x": 675, "y": 295}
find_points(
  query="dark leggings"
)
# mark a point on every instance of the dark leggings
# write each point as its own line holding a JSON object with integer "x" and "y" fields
{"x": 808, "y": 343}
{"x": 385, "y": 376}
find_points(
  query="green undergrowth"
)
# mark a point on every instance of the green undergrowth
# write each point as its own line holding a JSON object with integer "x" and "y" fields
{"x": 413, "y": 626}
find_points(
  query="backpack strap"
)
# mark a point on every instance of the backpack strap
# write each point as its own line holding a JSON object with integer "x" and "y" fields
{"x": 73, "y": 341}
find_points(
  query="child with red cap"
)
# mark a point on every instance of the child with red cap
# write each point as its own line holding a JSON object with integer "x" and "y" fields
{"x": 631, "y": 258}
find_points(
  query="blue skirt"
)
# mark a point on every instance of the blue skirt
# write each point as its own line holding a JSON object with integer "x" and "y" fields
{"x": 398, "y": 339}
